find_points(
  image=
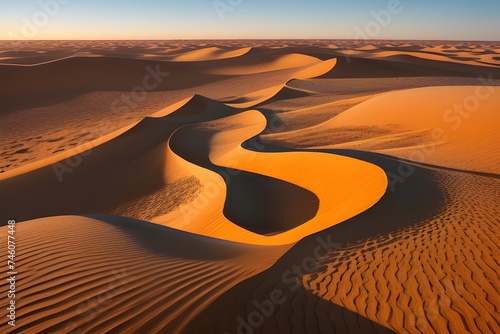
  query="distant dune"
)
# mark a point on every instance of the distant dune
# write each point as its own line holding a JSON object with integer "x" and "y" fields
{"x": 212, "y": 53}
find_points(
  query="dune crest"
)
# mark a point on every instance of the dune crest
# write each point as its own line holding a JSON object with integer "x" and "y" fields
{"x": 282, "y": 63}
{"x": 446, "y": 126}
{"x": 354, "y": 187}
{"x": 267, "y": 95}
{"x": 212, "y": 53}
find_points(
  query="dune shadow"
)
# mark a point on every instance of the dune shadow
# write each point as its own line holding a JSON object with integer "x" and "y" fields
{"x": 411, "y": 201}
{"x": 95, "y": 180}
{"x": 300, "y": 311}
{"x": 408, "y": 200}
{"x": 404, "y": 66}
{"x": 174, "y": 243}
{"x": 101, "y": 177}
{"x": 258, "y": 203}
{"x": 267, "y": 205}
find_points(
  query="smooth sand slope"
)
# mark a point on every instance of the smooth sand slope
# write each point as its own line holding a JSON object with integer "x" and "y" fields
{"x": 453, "y": 127}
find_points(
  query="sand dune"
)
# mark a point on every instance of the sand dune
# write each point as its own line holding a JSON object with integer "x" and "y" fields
{"x": 283, "y": 92}
{"x": 137, "y": 150}
{"x": 93, "y": 74}
{"x": 267, "y": 95}
{"x": 108, "y": 74}
{"x": 212, "y": 53}
{"x": 358, "y": 180}
{"x": 397, "y": 209}
{"x": 198, "y": 107}
{"x": 84, "y": 112}
{"x": 433, "y": 128}
{"x": 153, "y": 158}
{"x": 316, "y": 70}
{"x": 101, "y": 282}
{"x": 294, "y": 125}
{"x": 449, "y": 134}
{"x": 437, "y": 277}
{"x": 400, "y": 65}
{"x": 433, "y": 54}
{"x": 339, "y": 194}
{"x": 282, "y": 63}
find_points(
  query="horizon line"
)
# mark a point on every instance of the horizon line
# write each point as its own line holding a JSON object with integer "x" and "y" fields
{"x": 253, "y": 39}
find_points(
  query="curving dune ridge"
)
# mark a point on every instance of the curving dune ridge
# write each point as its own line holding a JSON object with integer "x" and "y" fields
{"x": 212, "y": 53}
{"x": 355, "y": 186}
{"x": 453, "y": 127}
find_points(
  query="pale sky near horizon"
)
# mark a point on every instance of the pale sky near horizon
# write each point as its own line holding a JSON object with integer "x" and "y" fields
{"x": 255, "y": 19}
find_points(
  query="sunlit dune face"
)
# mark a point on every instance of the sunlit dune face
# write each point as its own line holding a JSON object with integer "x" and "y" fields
{"x": 450, "y": 126}
{"x": 210, "y": 54}
{"x": 284, "y": 62}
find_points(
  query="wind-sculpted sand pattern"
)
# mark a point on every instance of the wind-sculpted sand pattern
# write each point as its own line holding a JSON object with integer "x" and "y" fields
{"x": 178, "y": 186}
{"x": 439, "y": 276}
{"x": 104, "y": 274}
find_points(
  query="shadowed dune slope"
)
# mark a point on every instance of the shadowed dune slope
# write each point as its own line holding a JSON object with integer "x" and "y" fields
{"x": 112, "y": 274}
{"x": 403, "y": 66}
{"x": 60, "y": 80}
{"x": 82, "y": 180}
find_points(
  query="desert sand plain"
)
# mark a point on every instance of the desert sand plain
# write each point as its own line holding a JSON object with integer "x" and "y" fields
{"x": 251, "y": 186}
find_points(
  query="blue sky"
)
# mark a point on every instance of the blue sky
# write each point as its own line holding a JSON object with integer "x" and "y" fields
{"x": 199, "y": 19}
